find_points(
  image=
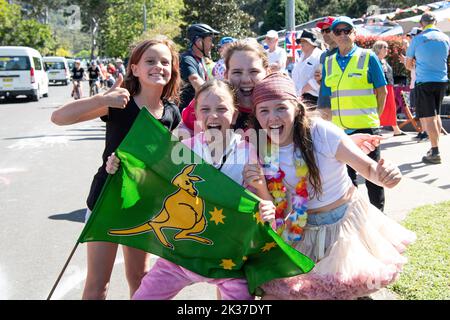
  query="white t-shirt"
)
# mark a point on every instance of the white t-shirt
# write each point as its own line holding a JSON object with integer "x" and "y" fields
{"x": 333, "y": 173}
{"x": 303, "y": 73}
{"x": 278, "y": 56}
{"x": 238, "y": 153}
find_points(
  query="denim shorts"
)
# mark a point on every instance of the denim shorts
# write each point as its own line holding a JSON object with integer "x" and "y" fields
{"x": 328, "y": 217}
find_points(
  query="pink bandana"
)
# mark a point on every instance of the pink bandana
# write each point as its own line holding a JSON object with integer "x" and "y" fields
{"x": 275, "y": 86}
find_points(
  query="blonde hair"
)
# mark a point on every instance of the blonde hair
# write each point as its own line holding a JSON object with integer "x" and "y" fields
{"x": 378, "y": 45}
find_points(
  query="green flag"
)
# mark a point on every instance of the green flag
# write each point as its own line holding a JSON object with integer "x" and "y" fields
{"x": 187, "y": 212}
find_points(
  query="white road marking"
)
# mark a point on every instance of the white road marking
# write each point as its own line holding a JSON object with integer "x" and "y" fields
{"x": 34, "y": 143}
{"x": 11, "y": 170}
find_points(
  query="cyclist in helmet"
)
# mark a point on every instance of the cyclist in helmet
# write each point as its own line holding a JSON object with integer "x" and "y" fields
{"x": 192, "y": 67}
{"x": 94, "y": 75}
{"x": 77, "y": 77}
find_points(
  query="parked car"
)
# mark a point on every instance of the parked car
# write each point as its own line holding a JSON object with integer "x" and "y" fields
{"x": 57, "y": 70}
{"x": 22, "y": 73}
{"x": 71, "y": 63}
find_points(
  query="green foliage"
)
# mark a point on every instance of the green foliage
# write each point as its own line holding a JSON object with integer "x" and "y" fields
{"x": 123, "y": 24}
{"x": 224, "y": 16}
{"x": 86, "y": 54}
{"x": 427, "y": 273}
{"x": 9, "y": 18}
{"x": 17, "y": 32}
{"x": 256, "y": 9}
{"x": 276, "y": 15}
{"x": 33, "y": 34}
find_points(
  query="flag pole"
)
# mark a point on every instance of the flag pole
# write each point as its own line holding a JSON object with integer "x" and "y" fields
{"x": 62, "y": 271}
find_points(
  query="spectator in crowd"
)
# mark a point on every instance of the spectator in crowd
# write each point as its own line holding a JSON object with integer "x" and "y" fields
{"x": 354, "y": 80}
{"x": 389, "y": 115}
{"x": 120, "y": 68}
{"x": 303, "y": 73}
{"x": 111, "y": 69}
{"x": 430, "y": 49}
{"x": 323, "y": 102}
{"x": 422, "y": 135}
{"x": 219, "y": 69}
{"x": 209, "y": 63}
{"x": 277, "y": 56}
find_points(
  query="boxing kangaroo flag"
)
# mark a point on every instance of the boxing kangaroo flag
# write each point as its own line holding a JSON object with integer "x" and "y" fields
{"x": 187, "y": 212}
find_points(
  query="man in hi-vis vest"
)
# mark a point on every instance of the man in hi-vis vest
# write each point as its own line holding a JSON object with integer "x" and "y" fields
{"x": 354, "y": 81}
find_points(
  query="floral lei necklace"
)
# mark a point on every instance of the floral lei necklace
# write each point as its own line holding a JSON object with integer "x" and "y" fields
{"x": 289, "y": 225}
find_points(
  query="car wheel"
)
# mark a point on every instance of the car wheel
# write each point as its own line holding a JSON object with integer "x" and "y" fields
{"x": 45, "y": 95}
{"x": 35, "y": 96}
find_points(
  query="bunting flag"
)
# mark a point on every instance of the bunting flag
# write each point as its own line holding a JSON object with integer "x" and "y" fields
{"x": 292, "y": 48}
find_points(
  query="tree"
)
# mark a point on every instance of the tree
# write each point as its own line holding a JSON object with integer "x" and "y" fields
{"x": 256, "y": 9}
{"x": 31, "y": 33}
{"x": 9, "y": 18}
{"x": 275, "y": 18}
{"x": 224, "y": 16}
{"x": 123, "y": 24}
{"x": 15, "y": 31}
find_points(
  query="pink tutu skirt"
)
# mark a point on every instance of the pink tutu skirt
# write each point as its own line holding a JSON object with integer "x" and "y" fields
{"x": 358, "y": 255}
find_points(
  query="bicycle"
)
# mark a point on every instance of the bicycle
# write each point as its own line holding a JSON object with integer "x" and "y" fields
{"x": 76, "y": 91}
{"x": 93, "y": 90}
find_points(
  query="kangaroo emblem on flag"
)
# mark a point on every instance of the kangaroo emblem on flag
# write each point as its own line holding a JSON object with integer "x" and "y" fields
{"x": 182, "y": 210}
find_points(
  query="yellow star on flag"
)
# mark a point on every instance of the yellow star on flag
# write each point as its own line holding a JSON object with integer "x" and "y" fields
{"x": 217, "y": 216}
{"x": 268, "y": 246}
{"x": 227, "y": 264}
{"x": 258, "y": 218}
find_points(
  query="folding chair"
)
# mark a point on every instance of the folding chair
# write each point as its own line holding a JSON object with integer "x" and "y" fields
{"x": 406, "y": 109}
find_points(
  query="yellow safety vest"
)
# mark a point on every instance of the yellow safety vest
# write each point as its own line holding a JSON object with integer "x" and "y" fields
{"x": 353, "y": 100}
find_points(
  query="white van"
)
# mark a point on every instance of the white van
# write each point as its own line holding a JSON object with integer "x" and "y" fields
{"x": 22, "y": 73}
{"x": 57, "y": 69}
{"x": 71, "y": 63}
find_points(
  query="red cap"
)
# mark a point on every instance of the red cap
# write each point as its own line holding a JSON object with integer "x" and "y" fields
{"x": 328, "y": 21}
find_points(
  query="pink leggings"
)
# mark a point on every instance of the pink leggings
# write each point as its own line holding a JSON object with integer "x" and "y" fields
{"x": 166, "y": 279}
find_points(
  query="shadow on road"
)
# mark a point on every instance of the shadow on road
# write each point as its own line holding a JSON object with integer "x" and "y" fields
{"x": 15, "y": 101}
{"x": 75, "y": 216}
{"x": 93, "y": 136}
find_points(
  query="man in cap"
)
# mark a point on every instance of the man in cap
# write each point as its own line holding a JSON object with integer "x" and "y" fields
{"x": 303, "y": 73}
{"x": 192, "y": 65}
{"x": 323, "y": 102}
{"x": 219, "y": 69}
{"x": 430, "y": 51}
{"x": 354, "y": 80}
{"x": 277, "y": 56}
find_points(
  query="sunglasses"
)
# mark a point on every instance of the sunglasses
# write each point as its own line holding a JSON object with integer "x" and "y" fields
{"x": 327, "y": 30}
{"x": 346, "y": 31}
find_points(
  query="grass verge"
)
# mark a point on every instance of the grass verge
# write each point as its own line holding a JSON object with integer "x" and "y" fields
{"x": 426, "y": 276}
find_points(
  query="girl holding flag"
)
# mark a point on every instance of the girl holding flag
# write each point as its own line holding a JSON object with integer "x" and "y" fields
{"x": 218, "y": 145}
{"x": 152, "y": 81}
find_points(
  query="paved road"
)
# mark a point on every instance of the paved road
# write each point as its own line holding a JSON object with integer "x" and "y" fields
{"x": 45, "y": 174}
